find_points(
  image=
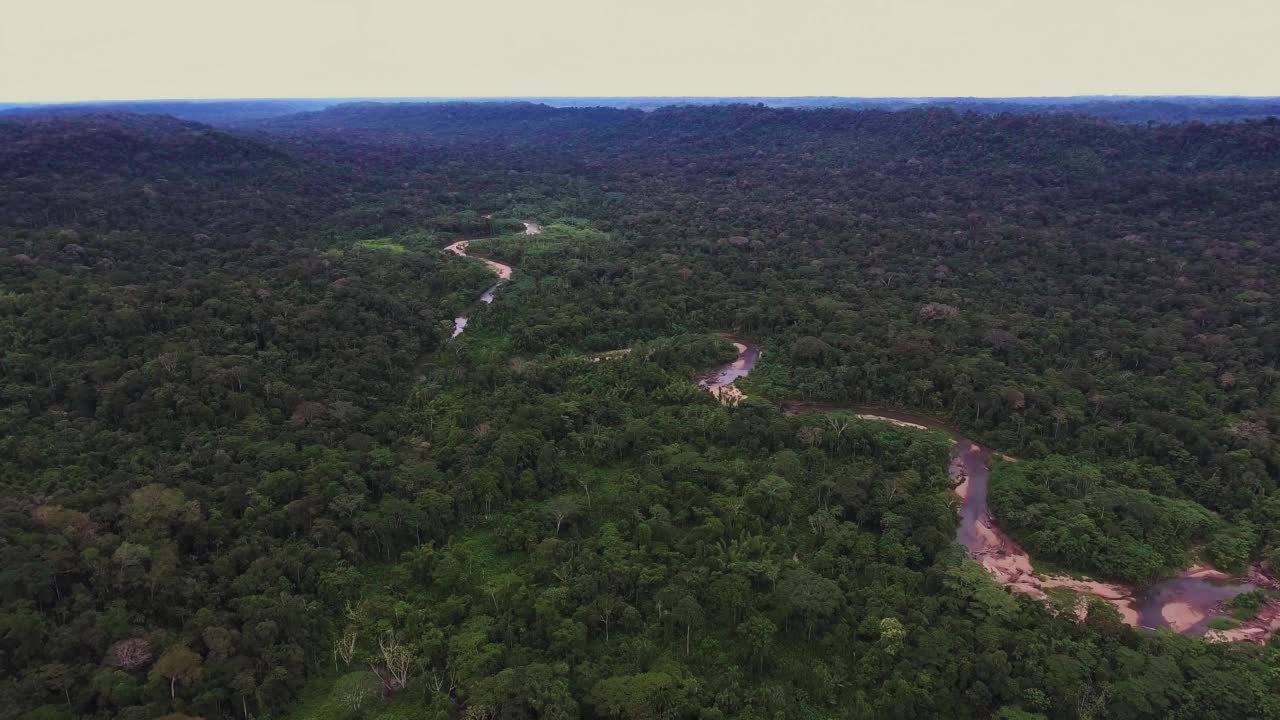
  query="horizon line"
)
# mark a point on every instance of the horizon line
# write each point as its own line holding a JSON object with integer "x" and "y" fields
{"x": 446, "y": 98}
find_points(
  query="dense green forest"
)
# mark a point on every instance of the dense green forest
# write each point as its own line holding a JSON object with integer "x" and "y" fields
{"x": 1105, "y": 520}
{"x": 246, "y": 473}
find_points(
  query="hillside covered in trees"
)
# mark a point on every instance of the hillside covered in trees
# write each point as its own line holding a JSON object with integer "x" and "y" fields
{"x": 246, "y": 473}
{"x": 1161, "y": 109}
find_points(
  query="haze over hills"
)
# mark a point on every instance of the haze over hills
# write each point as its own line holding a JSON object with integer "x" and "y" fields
{"x": 1129, "y": 109}
{"x": 213, "y": 112}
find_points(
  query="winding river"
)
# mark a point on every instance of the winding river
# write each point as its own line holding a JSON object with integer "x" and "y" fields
{"x": 502, "y": 270}
{"x": 721, "y": 383}
{"x": 1185, "y": 603}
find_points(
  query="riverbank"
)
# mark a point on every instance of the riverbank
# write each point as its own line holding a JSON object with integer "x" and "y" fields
{"x": 722, "y": 383}
{"x": 502, "y": 270}
{"x": 1185, "y": 603}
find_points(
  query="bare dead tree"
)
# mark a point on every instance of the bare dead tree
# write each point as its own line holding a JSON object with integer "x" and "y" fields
{"x": 395, "y": 662}
{"x": 344, "y": 647}
{"x": 444, "y": 680}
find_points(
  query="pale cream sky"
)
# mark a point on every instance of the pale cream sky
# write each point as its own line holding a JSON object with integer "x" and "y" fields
{"x": 129, "y": 49}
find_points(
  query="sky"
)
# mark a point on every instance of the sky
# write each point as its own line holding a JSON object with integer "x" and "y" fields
{"x": 65, "y": 50}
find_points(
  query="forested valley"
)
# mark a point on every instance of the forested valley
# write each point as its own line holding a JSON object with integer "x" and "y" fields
{"x": 245, "y": 471}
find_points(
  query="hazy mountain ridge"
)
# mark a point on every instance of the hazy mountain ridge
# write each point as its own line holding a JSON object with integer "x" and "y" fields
{"x": 1127, "y": 109}
{"x": 206, "y": 111}
{"x": 117, "y": 142}
{"x": 969, "y": 142}
{"x": 104, "y": 172}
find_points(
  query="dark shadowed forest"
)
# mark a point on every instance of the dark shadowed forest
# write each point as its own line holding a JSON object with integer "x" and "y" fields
{"x": 245, "y": 472}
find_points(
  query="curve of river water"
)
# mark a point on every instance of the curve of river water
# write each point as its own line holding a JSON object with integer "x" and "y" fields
{"x": 1185, "y": 603}
{"x": 721, "y": 382}
{"x": 502, "y": 270}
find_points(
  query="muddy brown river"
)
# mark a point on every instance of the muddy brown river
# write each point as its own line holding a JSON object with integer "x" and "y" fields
{"x": 721, "y": 382}
{"x": 502, "y": 270}
{"x": 1186, "y": 603}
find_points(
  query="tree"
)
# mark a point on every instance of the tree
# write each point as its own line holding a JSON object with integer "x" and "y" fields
{"x": 770, "y": 496}
{"x": 394, "y": 662}
{"x": 550, "y": 474}
{"x": 58, "y": 677}
{"x": 731, "y": 592}
{"x": 114, "y": 687}
{"x": 534, "y": 690}
{"x": 810, "y": 350}
{"x": 757, "y": 633}
{"x": 893, "y": 635}
{"x": 645, "y": 696}
{"x": 131, "y": 654}
{"x": 562, "y": 508}
{"x": 179, "y": 666}
{"x": 245, "y": 685}
{"x": 344, "y": 647}
{"x": 689, "y": 612}
{"x": 150, "y": 509}
{"x": 355, "y": 688}
{"x": 164, "y": 567}
{"x": 607, "y": 607}
{"x": 501, "y": 586}
{"x": 810, "y": 596}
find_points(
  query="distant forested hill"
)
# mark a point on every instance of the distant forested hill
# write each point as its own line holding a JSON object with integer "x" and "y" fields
{"x": 212, "y": 112}
{"x": 1139, "y": 110}
{"x": 964, "y": 141}
{"x": 100, "y": 173}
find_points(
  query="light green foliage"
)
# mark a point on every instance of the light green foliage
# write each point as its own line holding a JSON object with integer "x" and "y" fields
{"x": 1223, "y": 623}
{"x": 382, "y": 245}
{"x": 892, "y": 635}
{"x": 1245, "y": 606}
{"x": 1231, "y": 548}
